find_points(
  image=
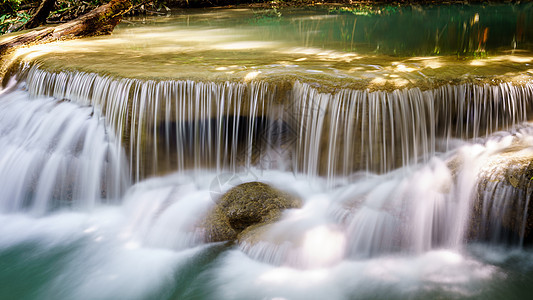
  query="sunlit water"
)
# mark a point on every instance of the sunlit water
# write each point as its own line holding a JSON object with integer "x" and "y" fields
{"x": 105, "y": 180}
{"x": 406, "y": 47}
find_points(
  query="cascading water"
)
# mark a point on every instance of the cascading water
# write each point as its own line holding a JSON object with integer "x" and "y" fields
{"x": 48, "y": 148}
{"x": 408, "y": 193}
{"x": 184, "y": 124}
{"x": 355, "y": 227}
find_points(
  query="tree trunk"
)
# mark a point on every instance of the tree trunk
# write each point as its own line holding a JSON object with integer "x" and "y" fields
{"x": 99, "y": 21}
{"x": 41, "y": 14}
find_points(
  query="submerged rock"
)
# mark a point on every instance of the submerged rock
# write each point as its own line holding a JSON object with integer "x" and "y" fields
{"x": 245, "y": 207}
{"x": 502, "y": 210}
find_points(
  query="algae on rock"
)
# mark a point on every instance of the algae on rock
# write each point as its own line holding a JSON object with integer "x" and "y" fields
{"x": 248, "y": 205}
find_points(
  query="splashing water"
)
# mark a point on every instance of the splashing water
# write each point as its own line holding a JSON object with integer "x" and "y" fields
{"x": 48, "y": 148}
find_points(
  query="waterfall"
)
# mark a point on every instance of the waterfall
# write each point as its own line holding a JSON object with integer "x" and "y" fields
{"x": 352, "y": 130}
{"x": 178, "y": 125}
{"x": 384, "y": 177}
{"x": 55, "y": 154}
{"x": 502, "y": 209}
{"x": 170, "y": 125}
{"x": 186, "y": 126}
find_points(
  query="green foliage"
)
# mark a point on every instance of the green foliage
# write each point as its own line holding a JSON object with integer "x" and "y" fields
{"x": 266, "y": 17}
{"x": 15, "y": 13}
{"x": 366, "y": 10}
{"x": 9, "y": 7}
{"x": 6, "y": 21}
{"x": 11, "y": 15}
{"x": 69, "y": 9}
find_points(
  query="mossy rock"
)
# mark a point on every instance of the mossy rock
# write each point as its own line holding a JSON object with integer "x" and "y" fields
{"x": 246, "y": 206}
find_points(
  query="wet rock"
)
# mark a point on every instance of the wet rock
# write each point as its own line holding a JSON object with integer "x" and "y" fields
{"x": 245, "y": 207}
{"x": 502, "y": 209}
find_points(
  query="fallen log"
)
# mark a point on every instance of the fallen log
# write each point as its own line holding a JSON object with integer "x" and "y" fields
{"x": 101, "y": 20}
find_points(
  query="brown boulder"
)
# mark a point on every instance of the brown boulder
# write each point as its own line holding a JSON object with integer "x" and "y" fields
{"x": 246, "y": 206}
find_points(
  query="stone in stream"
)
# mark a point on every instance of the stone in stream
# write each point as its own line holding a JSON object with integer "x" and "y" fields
{"x": 246, "y": 207}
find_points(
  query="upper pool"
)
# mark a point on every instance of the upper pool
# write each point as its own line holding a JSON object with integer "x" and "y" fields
{"x": 395, "y": 47}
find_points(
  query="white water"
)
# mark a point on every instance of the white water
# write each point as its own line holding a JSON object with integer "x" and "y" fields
{"x": 145, "y": 247}
{"x": 180, "y": 125}
{"x": 395, "y": 235}
{"x": 55, "y": 154}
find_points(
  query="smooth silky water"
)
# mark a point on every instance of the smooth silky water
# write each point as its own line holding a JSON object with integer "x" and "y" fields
{"x": 114, "y": 148}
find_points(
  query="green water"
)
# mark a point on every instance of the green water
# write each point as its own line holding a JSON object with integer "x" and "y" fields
{"x": 33, "y": 270}
{"x": 401, "y": 31}
{"x": 406, "y": 47}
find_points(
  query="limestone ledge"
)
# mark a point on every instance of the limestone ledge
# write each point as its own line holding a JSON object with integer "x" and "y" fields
{"x": 328, "y": 71}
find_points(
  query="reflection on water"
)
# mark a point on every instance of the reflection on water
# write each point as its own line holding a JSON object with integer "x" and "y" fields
{"x": 405, "y": 31}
